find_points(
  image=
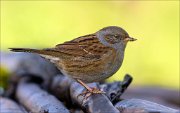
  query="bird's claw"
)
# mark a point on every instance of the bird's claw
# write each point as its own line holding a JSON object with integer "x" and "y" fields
{"x": 86, "y": 94}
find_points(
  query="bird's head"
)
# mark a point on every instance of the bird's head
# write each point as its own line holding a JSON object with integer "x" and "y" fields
{"x": 114, "y": 36}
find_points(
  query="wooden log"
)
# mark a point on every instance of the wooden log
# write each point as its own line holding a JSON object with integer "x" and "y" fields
{"x": 9, "y": 106}
{"x": 60, "y": 87}
{"x": 114, "y": 90}
{"x": 138, "y": 105}
{"x": 38, "y": 100}
{"x": 61, "y": 84}
{"x": 165, "y": 96}
{"x": 22, "y": 64}
{"x": 96, "y": 103}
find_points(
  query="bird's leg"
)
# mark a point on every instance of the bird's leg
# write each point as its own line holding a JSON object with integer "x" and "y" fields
{"x": 83, "y": 84}
{"x": 89, "y": 90}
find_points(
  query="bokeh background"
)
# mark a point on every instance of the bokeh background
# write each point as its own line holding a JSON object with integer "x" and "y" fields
{"x": 152, "y": 60}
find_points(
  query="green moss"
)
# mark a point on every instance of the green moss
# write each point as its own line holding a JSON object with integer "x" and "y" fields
{"x": 4, "y": 76}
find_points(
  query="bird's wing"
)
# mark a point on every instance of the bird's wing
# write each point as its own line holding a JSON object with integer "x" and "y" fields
{"x": 87, "y": 46}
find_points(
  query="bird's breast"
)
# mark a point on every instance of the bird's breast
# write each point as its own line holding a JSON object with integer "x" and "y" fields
{"x": 114, "y": 64}
{"x": 92, "y": 70}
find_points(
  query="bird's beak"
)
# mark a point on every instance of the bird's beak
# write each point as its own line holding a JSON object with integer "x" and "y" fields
{"x": 130, "y": 39}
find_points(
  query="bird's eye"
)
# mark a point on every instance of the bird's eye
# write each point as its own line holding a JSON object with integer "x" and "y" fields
{"x": 117, "y": 37}
{"x": 112, "y": 38}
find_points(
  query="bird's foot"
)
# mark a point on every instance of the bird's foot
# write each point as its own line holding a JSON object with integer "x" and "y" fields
{"x": 90, "y": 91}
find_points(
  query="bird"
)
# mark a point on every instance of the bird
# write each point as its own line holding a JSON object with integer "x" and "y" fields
{"x": 89, "y": 58}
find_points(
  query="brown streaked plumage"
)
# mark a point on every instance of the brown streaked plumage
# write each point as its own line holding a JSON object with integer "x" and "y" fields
{"x": 88, "y": 58}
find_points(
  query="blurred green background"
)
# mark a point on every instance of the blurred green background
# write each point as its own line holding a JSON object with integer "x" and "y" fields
{"x": 152, "y": 60}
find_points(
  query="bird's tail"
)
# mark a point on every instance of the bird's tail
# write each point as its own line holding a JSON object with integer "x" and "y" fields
{"x": 50, "y": 52}
{"x": 24, "y": 50}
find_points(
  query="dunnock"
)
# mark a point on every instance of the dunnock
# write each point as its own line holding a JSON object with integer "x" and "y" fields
{"x": 88, "y": 58}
